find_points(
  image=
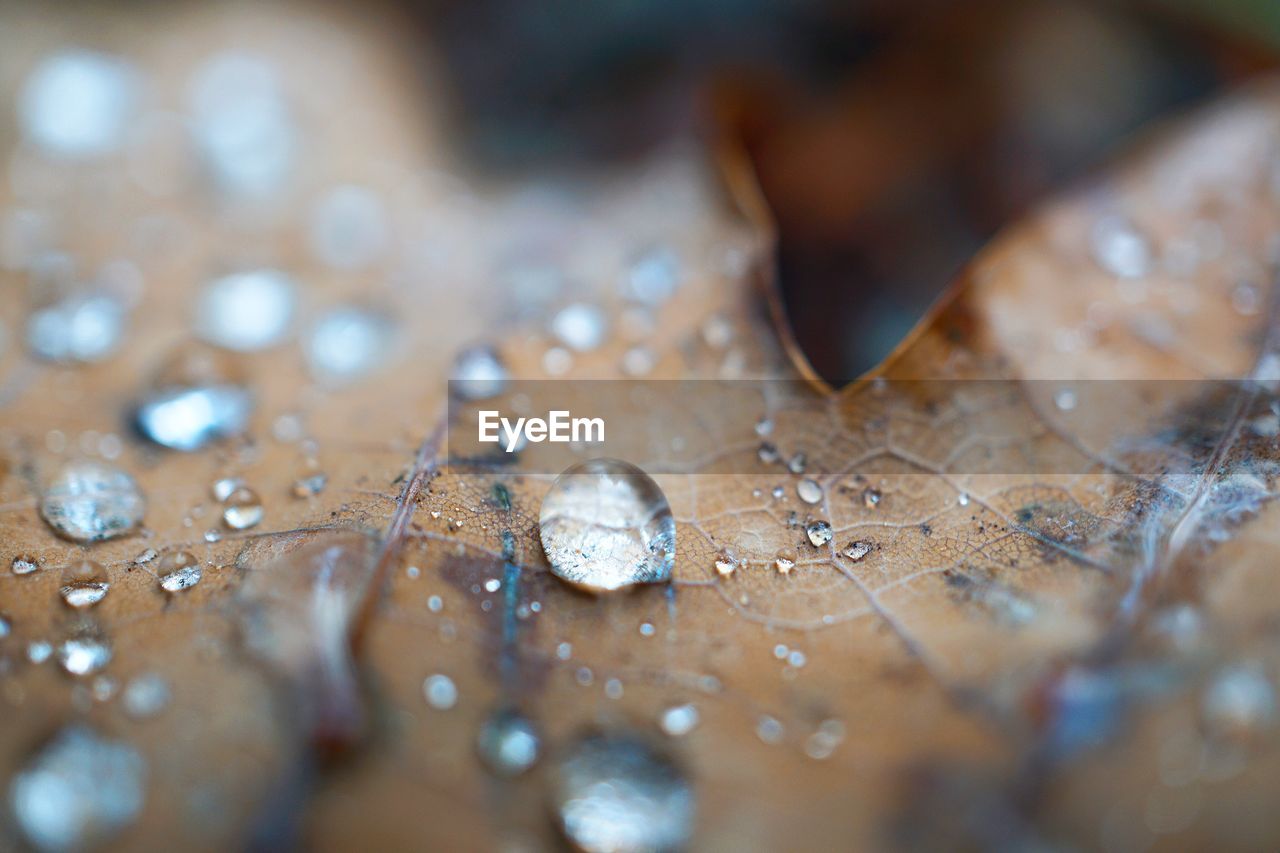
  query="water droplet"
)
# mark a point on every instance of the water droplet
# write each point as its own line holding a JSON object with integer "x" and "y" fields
{"x": 5, "y": 626}
{"x": 440, "y": 691}
{"x": 679, "y": 720}
{"x": 91, "y": 501}
{"x": 194, "y": 400}
{"x": 78, "y": 791}
{"x": 768, "y": 453}
{"x": 564, "y": 651}
{"x": 223, "y": 487}
{"x": 80, "y": 328}
{"x": 613, "y": 688}
{"x": 146, "y": 695}
{"x": 24, "y": 564}
{"x": 349, "y": 343}
{"x": 809, "y": 491}
{"x": 479, "y": 374}
{"x": 38, "y": 651}
{"x": 616, "y": 792}
{"x": 242, "y": 509}
{"x": 348, "y": 228}
{"x": 764, "y": 426}
{"x": 508, "y": 743}
{"x": 822, "y": 743}
{"x": 84, "y": 653}
{"x": 78, "y": 104}
{"x": 580, "y": 326}
{"x": 725, "y": 565}
{"x": 178, "y": 571}
{"x": 768, "y": 729}
{"x": 819, "y": 533}
{"x": 1065, "y": 399}
{"x": 871, "y": 498}
{"x": 242, "y": 126}
{"x": 246, "y": 311}
{"x": 605, "y": 525}
{"x": 784, "y": 563}
{"x": 1119, "y": 248}
{"x": 653, "y": 276}
{"x": 435, "y": 604}
{"x": 796, "y": 464}
{"x": 963, "y": 499}
{"x": 309, "y": 487}
{"x": 1239, "y": 702}
{"x": 857, "y": 549}
{"x": 84, "y": 584}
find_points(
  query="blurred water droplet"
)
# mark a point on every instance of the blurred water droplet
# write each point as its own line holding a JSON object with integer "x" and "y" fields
{"x": 1119, "y": 248}
{"x": 768, "y": 453}
{"x": 796, "y": 464}
{"x": 508, "y": 743}
{"x": 310, "y": 486}
{"x": 479, "y": 373}
{"x": 6, "y": 626}
{"x": 242, "y": 509}
{"x": 78, "y": 104}
{"x": 84, "y": 584}
{"x": 348, "y": 228}
{"x": 191, "y": 417}
{"x": 242, "y": 126}
{"x": 1065, "y": 399}
{"x": 222, "y": 488}
{"x": 580, "y": 326}
{"x": 617, "y": 793}
{"x": 819, "y": 533}
{"x": 809, "y": 491}
{"x": 605, "y": 525}
{"x": 90, "y": 501}
{"x": 679, "y": 720}
{"x": 349, "y": 343}
{"x": 146, "y": 695}
{"x": 24, "y": 564}
{"x": 440, "y": 691}
{"x": 1239, "y": 702}
{"x": 768, "y": 729}
{"x": 84, "y": 653}
{"x": 80, "y": 328}
{"x": 38, "y": 651}
{"x": 178, "y": 571}
{"x": 78, "y": 791}
{"x": 246, "y": 311}
{"x": 653, "y": 276}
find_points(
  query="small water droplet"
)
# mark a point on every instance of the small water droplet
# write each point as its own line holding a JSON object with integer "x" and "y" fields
{"x": 508, "y": 743}
{"x": 725, "y": 565}
{"x": 222, "y": 488}
{"x": 38, "y": 651}
{"x": 857, "y": 549}
{"x": 764, "y": 426}
{"x": 90, "y": 501}
{"x": 435, "y": 604}
{"x": 6, "y": 626}
{"x": 349, "y": 343}
{"x": 440, "y": 692}
{"x": 963, "y": 499}
{"x": 78, "y": 104}
{"x": 564, "y": 651}
{"x": 247, "y": 311}
{"x": 310, "y": 486}
{"x": 613, "y": 688}
{"x": 25, "y": 564}
{"x": 768, "y": 729}
{"x": 679, "y": 720}
{"x": 242, "y": 509}
{"x": 605, "y": 525}
{"x": 1239, "y": 702}
{"x": 653, "y": 276}
{"x": 84, "y": 584}
{"x": 1065, "y": 399}
{"x": 768, "y": 453}
{"x": 83, "y": 327}
{"x": 178, "y": 571}
{"x": 871, "y": 498}
{"x": 797, "y": 463}
{"x": 819, "y": 533}
{"x": 78, "y": 791}
{"x": 784, "y": 563}
{"x": 146, "y": 695}
{"x": 479, "y": 373}
{"x": 647, "y": 629}
{"x": 84, "y": 653}
{"x": 580, "y": 326}
{"x": 1119, "y": 248}
{"x": 809, "y": 491}
{"x": 616, "y": 792}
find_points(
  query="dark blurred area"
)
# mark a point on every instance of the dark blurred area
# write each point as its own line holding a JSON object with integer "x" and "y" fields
{"x": 891, "y": 139}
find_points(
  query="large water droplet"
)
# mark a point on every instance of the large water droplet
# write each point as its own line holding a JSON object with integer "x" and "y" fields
{"x": 178, "y": 571}
{"x": 605, "y": 525}
{"x": 809, "y": 491}
{"x": 479, "y": 374}
{"x": 84, "y": 584}
{"x": 819, "y": 533}
{"x": 243, "y": 509}
{"x": 196, "y": 398}
{"x": 84, "y": 653}
{"x": 349, "y": 343}
{"x": 508, "y": 743}
{"x": 78, "y": 104}
{"x": 615, "y": 792}
{"x": 242, "y": 126}
{"x": 246, "y": 311}
{"x": 90, "y": 501}
{"x": 79, "y": 790}
{"x": 83, "y": 327}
